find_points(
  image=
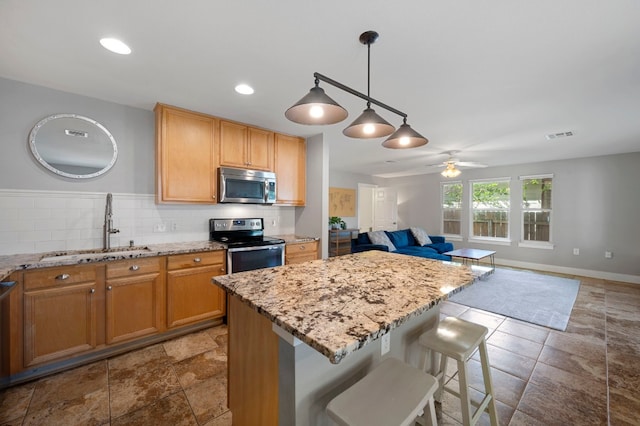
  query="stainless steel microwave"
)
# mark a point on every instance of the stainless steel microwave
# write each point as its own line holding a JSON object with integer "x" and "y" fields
{"x": 246, "y": 186}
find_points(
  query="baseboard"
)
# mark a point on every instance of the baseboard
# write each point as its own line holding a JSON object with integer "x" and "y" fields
{"x": 611, "y": 276}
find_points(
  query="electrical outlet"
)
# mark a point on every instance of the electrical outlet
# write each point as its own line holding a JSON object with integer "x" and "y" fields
{"x": 160, "y": 227}
{"x": 174, "y": 226}
{"x": 608, "y": 254}
{"x": 576, "y": 251}
{"x": 385, "y": 343}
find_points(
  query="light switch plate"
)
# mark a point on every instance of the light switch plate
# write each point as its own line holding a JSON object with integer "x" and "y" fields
{"x": 386, "y": 343}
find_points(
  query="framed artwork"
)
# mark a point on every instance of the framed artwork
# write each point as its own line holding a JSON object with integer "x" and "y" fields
{"x": 342, "y": 202}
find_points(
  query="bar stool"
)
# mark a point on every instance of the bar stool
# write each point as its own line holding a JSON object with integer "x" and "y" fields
{"x": 394, "y": 393}
{"x": 458, "y": 339}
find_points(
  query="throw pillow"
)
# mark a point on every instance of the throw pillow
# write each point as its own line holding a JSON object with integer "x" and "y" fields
{"x": 421, "y": 236}
{"x": 380, "y": 237}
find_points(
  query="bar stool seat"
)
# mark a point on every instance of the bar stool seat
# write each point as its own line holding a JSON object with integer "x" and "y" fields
{"x": 394, "y": 393}
{"x": 458, "y": 339}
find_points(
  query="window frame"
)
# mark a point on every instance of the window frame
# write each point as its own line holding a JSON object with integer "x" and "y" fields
{"x": 454, "y": 237}
{"x": 485, "y": 239}
{"x": 531, "y": 243}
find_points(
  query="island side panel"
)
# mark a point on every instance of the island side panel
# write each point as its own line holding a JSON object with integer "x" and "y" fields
{"x": 253, "y": 366}
{"x": 309, "y": 380}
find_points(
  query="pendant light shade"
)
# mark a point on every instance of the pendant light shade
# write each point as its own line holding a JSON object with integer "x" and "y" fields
{"x": 369, "y": 125}
{"x": 405, "y": 137}
{"x": 316, "y": 107}
{"x": 450, "y": 171}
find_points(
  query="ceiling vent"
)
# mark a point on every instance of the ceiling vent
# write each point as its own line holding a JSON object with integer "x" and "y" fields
{"x": 558, "y": 135}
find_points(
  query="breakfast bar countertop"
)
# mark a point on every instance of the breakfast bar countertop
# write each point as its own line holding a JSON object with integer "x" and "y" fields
{"x": 340, "y": 304}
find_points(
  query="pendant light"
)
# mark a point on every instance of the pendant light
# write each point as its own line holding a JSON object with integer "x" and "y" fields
{"x": 318, "y": 108}
{"x": 369, "y": 124}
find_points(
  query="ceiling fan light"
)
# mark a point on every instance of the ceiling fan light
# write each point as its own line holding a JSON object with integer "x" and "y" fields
{"x": 405, "y": 137}
{"x": 316, "y": 107}
{"x": 368, "y": 125}
{"x": 450, "y": 171}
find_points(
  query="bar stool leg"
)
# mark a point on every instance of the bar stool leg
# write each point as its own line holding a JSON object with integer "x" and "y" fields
{"x": 488, "y": 386}
{"x": 465, "y": 398}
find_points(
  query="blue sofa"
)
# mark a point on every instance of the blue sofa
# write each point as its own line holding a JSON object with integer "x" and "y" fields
{"x": 405, "y": 244}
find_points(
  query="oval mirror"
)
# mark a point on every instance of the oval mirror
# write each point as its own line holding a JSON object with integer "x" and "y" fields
{"x": 73, "y": 146}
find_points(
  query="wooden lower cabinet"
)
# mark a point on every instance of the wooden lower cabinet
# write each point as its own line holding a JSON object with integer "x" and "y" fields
{"x": 300, "y": 252}
{"x": 60, "y": 313}
{"x": 134, "y": 299}
{"x": 191, "y": 296}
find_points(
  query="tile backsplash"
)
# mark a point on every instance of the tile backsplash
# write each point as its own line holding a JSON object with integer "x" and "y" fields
{"x": 43, "y": 221}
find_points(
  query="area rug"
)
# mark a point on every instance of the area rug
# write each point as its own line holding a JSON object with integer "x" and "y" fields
{"x": 536, "y": 298}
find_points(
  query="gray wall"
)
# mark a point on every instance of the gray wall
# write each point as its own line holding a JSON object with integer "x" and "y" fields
{"x": 23, "y": 105}
{"x": 596, "y": 202}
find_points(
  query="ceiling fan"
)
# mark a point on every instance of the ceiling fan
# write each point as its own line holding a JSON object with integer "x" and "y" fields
{"x": 451, "y": 163}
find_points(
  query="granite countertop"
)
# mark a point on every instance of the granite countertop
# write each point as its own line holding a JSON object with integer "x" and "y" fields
{"x": 341, "y": 304}
{"x": 16, "y": 262}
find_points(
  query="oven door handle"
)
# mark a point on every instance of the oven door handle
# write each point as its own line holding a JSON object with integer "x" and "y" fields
{"x": 254, "y": 248}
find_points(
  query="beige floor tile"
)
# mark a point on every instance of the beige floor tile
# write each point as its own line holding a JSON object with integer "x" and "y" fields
{"x": 452, "y": 309}
{"x": 576, "y": 344}
{"x": 223, "y": 420}
{"x": 452, "y": 408}
{"x": 201, "y": 367}
{"x": 15, "y": 401}
{"x": 172, "y": 410}
{"x": 508, "y": 388}
{"x": 515, "y": 344}
{"x": 489, "y": 320}
{"x": 208, "y": 399}
{"x": 148, "y": 358}
{"x": 525, "y": 330}
{"x": 593, "y": 367}
{"x": 509, "y": 362}
{"x": 88, "y": 409}
{"x": 189, "y": 346}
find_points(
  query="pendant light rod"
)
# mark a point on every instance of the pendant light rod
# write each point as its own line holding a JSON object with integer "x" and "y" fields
{"x": 354, "y": 92}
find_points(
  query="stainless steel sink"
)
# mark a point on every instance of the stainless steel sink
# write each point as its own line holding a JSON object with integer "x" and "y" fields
{"x": 116, "y": 252}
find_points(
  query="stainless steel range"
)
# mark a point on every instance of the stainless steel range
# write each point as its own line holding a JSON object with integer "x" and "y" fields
{"x": 247, "y": 247}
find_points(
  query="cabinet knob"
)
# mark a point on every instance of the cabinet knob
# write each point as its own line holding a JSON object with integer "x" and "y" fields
{"x": 63, "y": 277}
{"x": 197, "y": 260}
{"x": 134, "y": 267}
{"x": 221, "y": 269}
{"x": 93, "y": 290}
{"x": 109, "y": 287}
{"x": 301, "y": 247}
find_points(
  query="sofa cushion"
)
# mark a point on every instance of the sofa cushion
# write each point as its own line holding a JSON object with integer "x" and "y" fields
{"x": 441, "y": 247}
{"x": 402, "y": 238}
{"x": 421, "y": 236}
{"x": 424, "y": 252}
{"x": 380, "y": 237}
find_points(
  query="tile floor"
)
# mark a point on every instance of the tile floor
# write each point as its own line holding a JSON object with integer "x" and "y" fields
{"x": 587, "y": 375}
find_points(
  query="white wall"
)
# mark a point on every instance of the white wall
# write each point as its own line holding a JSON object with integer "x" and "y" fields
{"x": 41, "y": 211}
{"x": 596, "y": 202}
{"x": 341, "y": 179}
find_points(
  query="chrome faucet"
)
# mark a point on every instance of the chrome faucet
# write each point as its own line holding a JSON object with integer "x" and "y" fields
{"x": 108, "y": 228}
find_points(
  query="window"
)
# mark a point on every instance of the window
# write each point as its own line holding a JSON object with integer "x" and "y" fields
{"x": 451, "y": 208}
{"x": 490, "y": 207}
{"x": 536, "y": 209}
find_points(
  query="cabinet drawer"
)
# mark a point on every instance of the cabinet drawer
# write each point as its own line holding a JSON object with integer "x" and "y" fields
{"x": 292, "y": 248}
{"x": 181, "y": 261}
{"x": 58, "y": 276}
{"x": 130, "y": 267}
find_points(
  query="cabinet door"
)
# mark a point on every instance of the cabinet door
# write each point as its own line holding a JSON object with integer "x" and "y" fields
{"x": 133, "y": 307}
{"x": 290, "y": 167}
{"x": 59, "y": 322}
{"x": 233, "y": 145}
{"x": 192, "y": 297}
{"x": 260, "y": 149}
{"x": 186, "y": 146}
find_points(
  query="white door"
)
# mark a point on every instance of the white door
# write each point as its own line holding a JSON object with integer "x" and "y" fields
{"x": 385, "y": 209}
{"x": 365, "y": 207}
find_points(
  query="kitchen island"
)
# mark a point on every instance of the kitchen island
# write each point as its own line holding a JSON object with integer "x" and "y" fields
{"x": 301, "y": 334}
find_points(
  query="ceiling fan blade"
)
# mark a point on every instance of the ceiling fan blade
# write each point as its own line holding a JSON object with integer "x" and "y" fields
{"x": 470, "y": 164}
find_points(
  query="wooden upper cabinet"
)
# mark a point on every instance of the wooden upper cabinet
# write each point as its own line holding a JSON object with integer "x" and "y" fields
{"x": 186, "y": 164}
{"x": 245, "y": 147}
{"x": 290, "y": 167}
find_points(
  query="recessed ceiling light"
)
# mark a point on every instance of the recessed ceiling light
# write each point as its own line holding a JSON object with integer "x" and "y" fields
{"x": 115, "y": 45}
{"x": 244, "y": 89}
